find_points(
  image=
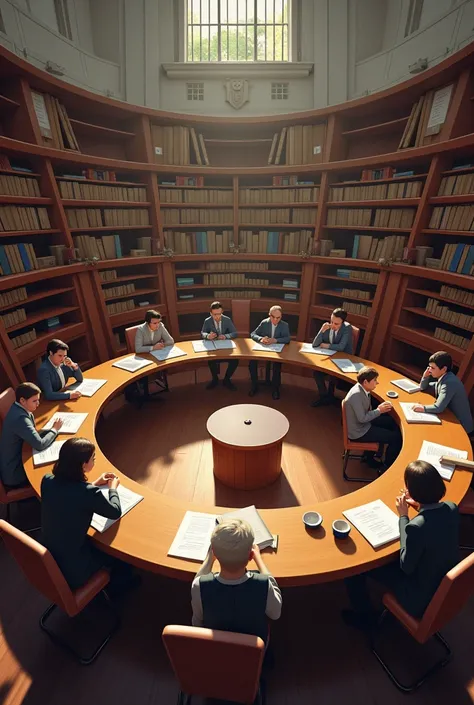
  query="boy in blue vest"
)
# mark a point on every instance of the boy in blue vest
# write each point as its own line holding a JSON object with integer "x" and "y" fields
{"x": 235, "y": 599}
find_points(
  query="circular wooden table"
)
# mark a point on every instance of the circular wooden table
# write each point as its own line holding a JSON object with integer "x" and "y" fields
{"x": 144, "y": 535}
{"x": 246, "y": 444}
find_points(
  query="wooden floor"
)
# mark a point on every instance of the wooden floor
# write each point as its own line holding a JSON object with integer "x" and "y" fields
{"x": 318, "y": 658}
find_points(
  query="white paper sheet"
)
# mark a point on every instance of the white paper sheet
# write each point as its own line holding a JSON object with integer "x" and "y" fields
{"x": 308, "y": 348}
{"x": 417, "y": 416}
{"x": 168, "y": 353}
{"x": 432, "y": 452}
{"x": 49, "y": 455}
{"x": 224, "y": 344}
{"x": 263, "y": 537}
{"x": 272, "y": 347}
{"x": 128, "y": 500}
{"x": 347, "y": 365}
{"x": 132, "y": 363}
{"x": 71, "y": 421}
{"x": 203, "y": 346}
{"x": 193, "y": 537}
{"x": 406, "y": 384}
{"x": 88, "y": 387}
{"x": 375, "y": 521}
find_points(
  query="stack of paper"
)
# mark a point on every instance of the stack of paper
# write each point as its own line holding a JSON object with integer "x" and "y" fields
{"x": 308, "y": 348}
{"x": 272, "y": 347}
{"x": 193, "y": 537}
{"x": 263, "y": 537}
{"x": 132, "y": 363}
{"x": 87, "y": 387}
{"x": 212, "y": 345}
{"x": 347, "y": 365}
{"x": 417, "y": 416}
{"x": 433, "y": 452}
{"x": 128, "y": 500}
{"x": 406, "y": 384}
{"x": 71, "y": 421}
{"x": 168, "y": 353}
{"x": 375, "y": 521}
{"x": 48, "y": 455}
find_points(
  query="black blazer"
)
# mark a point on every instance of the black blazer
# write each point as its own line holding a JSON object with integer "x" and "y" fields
{"x": 66, "y": 514}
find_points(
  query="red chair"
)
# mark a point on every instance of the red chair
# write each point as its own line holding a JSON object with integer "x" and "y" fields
{"x": 455, "y": 589}
{"x": 8, "y": 497}
{"x": 161, "y": 379}
{"x": 215, "y": 664}
{"x": 241, "y": 316}
{"x": 42, "y": 571}
{"x": 355, "y": 338}
{"x": 353, "y": 450}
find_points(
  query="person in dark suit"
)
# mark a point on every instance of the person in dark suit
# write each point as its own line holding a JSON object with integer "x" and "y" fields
{"x": 220, "y": 327}
{"x": 68, "y": 502}
{"x": 18, "y": 428}
{"x": 429, "y": 548}
{"x": 335, "y": 334}
{"x": 271, "y": 330}
{"x": 55, "y": 371}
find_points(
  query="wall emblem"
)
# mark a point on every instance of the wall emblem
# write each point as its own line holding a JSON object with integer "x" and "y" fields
{"x": 237, "y": 92}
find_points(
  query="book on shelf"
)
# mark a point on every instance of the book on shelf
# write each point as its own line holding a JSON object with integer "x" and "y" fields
{"x": 358, "y": 309}
{"x": 14, "y": 296}
{"x": 456, "y": 318}
{"x": 18, "y": 186}
{"x": 457, "y": 257}
{"x": 121, "y": 290}
{"x": 458, "y": 295}
{"x": 456, "y": 184}
{"x": 214, "y": 196}
{"x": 15, "y": 259}
{"x": 376, "y": 192}
{"x": 81, "y": 190}
{"x": 102, "y": 248}
{"x": 53, "y": 122}
{"x": 251, "y": 196}
{"x": 23, "y": 218}
{"x": 378, "y": 217}
{"x": 190, "y": 216}
{"x": 14, "y": 317}
{"x": 233, "y": 279}
{"x": 97, "y": 218}
{"x": 448, "y": 336}
{"x": 427, "y": 117}
{"x": 452, "y": 218}
{"x": 171, "y": 144}
{"x": 241, "y": 294}
{"x": 304, "y": 145}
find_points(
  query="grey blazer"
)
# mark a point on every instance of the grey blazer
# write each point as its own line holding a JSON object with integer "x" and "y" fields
{"x": 227, "y": 327}
{"x": 264, "y": 329}
{"x": 449, "y": 392}
{"x": 145, "y": 339}
{"x": 342, "y": 340}
{"x": 19, "y": 426}
{"x": 359, "y": 413}
{"x": 50, "y": 383}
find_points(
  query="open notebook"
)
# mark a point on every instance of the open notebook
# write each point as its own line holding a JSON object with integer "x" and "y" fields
{"x": 128, "y": 500}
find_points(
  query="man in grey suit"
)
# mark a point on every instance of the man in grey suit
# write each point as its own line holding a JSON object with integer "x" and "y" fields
{"x": 369, "y": 425}
{"x": 448, "y": 389}
{"x": 220, "y": 327}
{"x": 19, "y": 426}
{"x": 271, "y": 330}
{"x": 152, "y": 335}
{"x": 334, "y": 335}
{"x": 54, "y": 372}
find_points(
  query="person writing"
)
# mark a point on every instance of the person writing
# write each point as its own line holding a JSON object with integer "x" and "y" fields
{"x": 54, "y": 373}
{"x": 152, "y": 334}
{"x": 335, "y": 334}
{"x": 235, "y": 599}
{"x": 220, "y": 327}
{"x": 271, "y": 330}
{"x": 19, "y": 427}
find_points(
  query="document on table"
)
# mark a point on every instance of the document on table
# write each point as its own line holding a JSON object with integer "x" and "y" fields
{"x": 88, "y": 387}
{"x": 432, "y": 453}
{"x": 417, "y": 416}
{"x": 375, "y": 521}
{"x": 48, "y": 455}
{"x": 272, "y": 347}
{"x": 224, "y": 344}
{"x": 308, "y": 348}
{"x": 168, "y": 353}
{"x": 71, "y": 421}
{"x": 406, "y": 384}
{"x": 347, "y": 365}
{"x": 128, "y": 500}
{"x": 132, "y": 363}
{"x": 211, "y": 345}
{"x": 193, "y": 537}
{"x": 263, "y": 537}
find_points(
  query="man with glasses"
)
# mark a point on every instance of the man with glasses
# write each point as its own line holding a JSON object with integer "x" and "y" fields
{"x": 270, "y": 330}
{"x": 220, "y": 327}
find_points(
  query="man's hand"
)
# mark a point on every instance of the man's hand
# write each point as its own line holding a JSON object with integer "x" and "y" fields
{"x": 159, "y": 346}
{"x": 221, "y": 337}
{"x": 324, "y": 345}
{"x": 212, "y": 335}
{"x": 57, "y": 425}
{"x": 104, "y": 479}
{"x": 427, "y": 373}
{"x": 409, "y": 500}
{"x": 75, "y": 395}
{"x": 69, "y": 363}
{"x": 113, "y": 482}
{"x": 272, "y": 340}
{"x": 384, "y": 407}
{"x": 418, "y": 407}
{"x": 266, "y": 340}
{"x": 326, "y": 326}
{"x": 401, "y": 505}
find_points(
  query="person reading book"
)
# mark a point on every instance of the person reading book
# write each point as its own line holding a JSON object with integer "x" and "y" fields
{"x": 440, "y": 380}
{"x": 220, "y": 327}
{"x": 269, "y": 331}
{"x": 54, "y": 373}
{"x": 335, "y": 334}
{"x": 235, "y": 599}
{"x": 429, "y": 548}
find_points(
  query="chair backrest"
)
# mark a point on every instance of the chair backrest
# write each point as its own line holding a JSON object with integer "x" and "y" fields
{"x": 345, "y": 437}
{"x": 39, "y": 566}
{"x": 7, "y": 397}
{"x": 241, "y": 316}
{"x": 130, "y": 335}
{"x": 454, "y": 591}
{"x": 215, "y": 664}
{"x": 355, "y": 338}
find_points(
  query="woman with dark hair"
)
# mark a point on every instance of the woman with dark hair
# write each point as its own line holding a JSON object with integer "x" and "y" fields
{"x": 68, "y": 502}
{"x": 429, "y": 548}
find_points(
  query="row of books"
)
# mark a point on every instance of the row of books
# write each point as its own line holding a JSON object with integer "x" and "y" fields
{"x": 19, "y": 340}
{"x": 121, "y": 290}
{"x": 120, "y": 306}
{"x": 458, "y": 340}
{"x": 203, "y": 242}
{"x": 261, "y": 216}
{"x": 456, "y": 184}
{"x": 385, "y": 172}
{"x": 376, "y": 192}
{"x": 426, "y": 118}
{"x": 368, "y": 247}
{"x": 234, "y": 278}
{"x": 189, "y": 216}
{"x": 459, "y": 295}
{"x": 171, "y": 145}
{"x": 95, "y": 217}
{"x": 355, "y": 293}
{"x": 243, "y": 294}
{"x": 250, "y": 196}
{"x": 102, "y": 248}
{"x": 53, "y": 122}
{"x": 437, "y": 309}
{"x": 184, "y": 181}
{"x": 458, "y": 257}
{"x": 298, "y": 144}
{"x": 370, "y": 277}
{"x": 452, "y": 218}
{"x": 13, "y": 296}
{"x": 91, "y": 174}
{"x": 108, "y": 275}
{"x": 372, "y": 217}
{"x": 18, "y": 258}
{"x": 359, "y": 309}
{"x": 18, "y": 186}
{"x": 269, "y": 242}
{"x": 23, "y": 218}
{"x": 98, "y": 192}
{"x": 14, "y": 317}
{"x": 224, "y": 197}
{"x": 252, "y": 266}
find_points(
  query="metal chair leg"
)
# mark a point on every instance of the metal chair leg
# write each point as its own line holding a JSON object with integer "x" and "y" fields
{"x": 84, "y": 660}
{"x": 417, "y": 683}
{"x": 345, "y": 459}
